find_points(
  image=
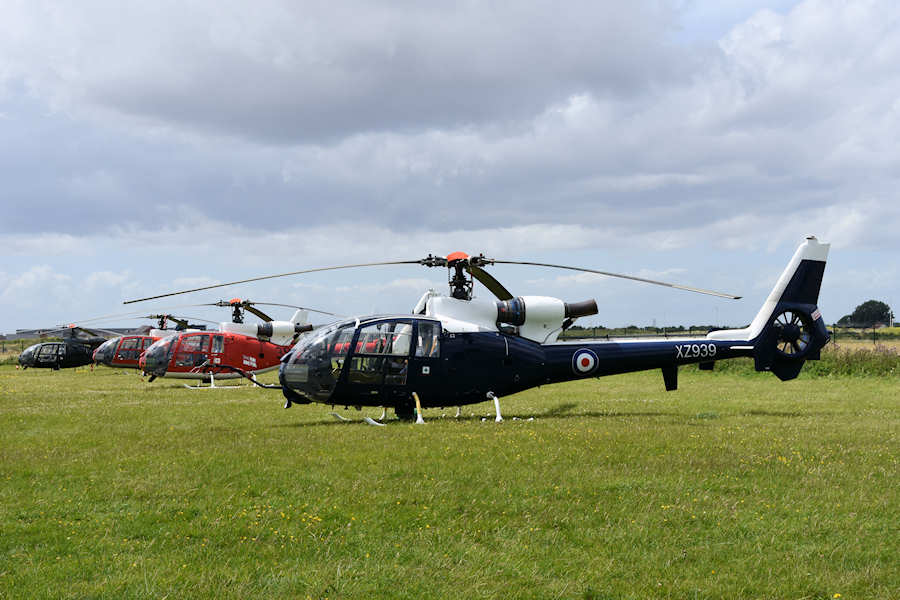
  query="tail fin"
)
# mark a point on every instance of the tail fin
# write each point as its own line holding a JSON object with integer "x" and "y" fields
{"x": 789, "y": 329}
{"x": 301, "y": 317}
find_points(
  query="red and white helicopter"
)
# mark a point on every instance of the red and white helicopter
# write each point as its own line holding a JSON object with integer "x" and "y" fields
{"x": 124, "y": 351}
{"x": 237, "y": 349}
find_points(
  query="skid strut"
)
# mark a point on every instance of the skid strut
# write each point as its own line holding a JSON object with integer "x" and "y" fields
{"x": 419, "y": 419}
{"x": 496, "y": 400}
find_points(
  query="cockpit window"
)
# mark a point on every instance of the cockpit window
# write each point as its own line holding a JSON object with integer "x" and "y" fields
{"x": 107, "y": 346}
{"x": 158, "y": 355}
{"x": 391, "y": 338}
{"x": 50, "y": 351}
{"x": 381, "y": 354}
{"x": 193, "y": 350}
{"x": 167, "y": 342}
{"x": 339, "y": 343}
{"x": 429, "y": 339}
{"x": 194, "y": 343}
{"x": 316, "y": 361}
{"x": 129, "y": 349}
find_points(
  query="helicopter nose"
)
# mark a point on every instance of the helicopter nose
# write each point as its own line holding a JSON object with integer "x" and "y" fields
{"x": 309, "y": 374}
{"x": 26, "y": 359}
{"x": 103, "y": 355}
{"x": 154, "y": 361}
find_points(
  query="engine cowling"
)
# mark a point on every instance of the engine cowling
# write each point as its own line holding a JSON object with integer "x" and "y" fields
{"x": 281, "y": 333}
{"x": 541, "y": 318}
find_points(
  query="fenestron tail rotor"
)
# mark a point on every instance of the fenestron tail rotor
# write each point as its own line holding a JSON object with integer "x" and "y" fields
{"x": 793, "y": 332}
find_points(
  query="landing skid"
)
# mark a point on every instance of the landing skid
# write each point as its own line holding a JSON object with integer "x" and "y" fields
{"x": 368, "y": 420}
{"x": 212, "y": 385}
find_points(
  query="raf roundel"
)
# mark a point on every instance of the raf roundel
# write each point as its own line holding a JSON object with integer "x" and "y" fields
{"x": 584, "y": 362}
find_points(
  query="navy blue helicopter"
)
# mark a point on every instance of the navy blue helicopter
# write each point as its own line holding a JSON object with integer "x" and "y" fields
{"x": 456, "y": 350}
{"x": 74, "y": 348}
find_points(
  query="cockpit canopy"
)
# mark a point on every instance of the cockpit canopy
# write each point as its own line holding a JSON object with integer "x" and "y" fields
{"x": 155, "y": 359}
{"x": 44, "y": 353}
{"x": 189, "y": 350}
{"x": 373, "y": 352}
{"x": 105, "y": 352}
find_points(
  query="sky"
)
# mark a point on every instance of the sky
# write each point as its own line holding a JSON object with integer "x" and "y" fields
{"x": 152, "y": 147}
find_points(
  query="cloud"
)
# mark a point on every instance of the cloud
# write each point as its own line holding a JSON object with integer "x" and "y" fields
{"x": 767, "y": 127}
{"x": 47, "y": 244}
{"x": 218, "y": 140}
{"x": 37, "y": 285}
{"x": 287, "y": 72}
{"x": 108, "y": 279}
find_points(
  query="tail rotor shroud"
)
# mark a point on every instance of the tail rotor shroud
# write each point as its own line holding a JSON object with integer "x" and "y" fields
{"x": 793, "y": 331}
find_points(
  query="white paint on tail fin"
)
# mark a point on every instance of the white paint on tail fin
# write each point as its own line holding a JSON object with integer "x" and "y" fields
{"x": 811, "y": 249}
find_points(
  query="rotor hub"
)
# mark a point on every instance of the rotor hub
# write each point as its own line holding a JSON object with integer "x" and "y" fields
{"x": 791, "y": 332}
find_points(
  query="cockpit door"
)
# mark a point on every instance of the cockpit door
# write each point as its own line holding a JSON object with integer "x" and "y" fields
{"x": 425, "y": 372}
{"x": 51, "y": 354}
{"x": 379, "y": 365}
{"x": 217, "y": 352}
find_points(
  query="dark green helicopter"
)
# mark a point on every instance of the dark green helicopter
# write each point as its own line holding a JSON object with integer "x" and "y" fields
{"x": 74, "y": 348}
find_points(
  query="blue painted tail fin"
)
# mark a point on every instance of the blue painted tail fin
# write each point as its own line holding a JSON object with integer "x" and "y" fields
{"x": 789, "y": 329}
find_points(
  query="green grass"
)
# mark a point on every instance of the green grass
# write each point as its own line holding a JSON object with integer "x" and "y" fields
{"x": 10, "y": 349}
{"x": 735, "y": 486}
{"x": 855, "y": 359}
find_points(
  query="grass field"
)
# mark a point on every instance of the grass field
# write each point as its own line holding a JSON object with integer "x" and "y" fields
{"x": 735, "y": 486}
{"x": 851, "y": 343}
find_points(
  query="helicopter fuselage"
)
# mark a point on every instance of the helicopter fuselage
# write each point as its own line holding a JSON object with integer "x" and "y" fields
{"x": 382, "y": 360}
{"x": 194, "y": 355}
{"x": 453, "y": 351}
{"x": 123, "y": 352}
{"x": 64, "y": 354}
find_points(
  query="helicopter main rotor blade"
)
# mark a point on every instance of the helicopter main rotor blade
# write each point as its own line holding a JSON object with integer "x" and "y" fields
{"x": 180, "y": 318}
{"x": 621, "y": 276}
{"x": 72, "y": 331}
{"x": 135, "y": 314}
{"x": 258, "y": 313}
{"x": 315, "y": 310}
{"x": 110, "y": 317}
{"x": 93, "y": 331}
{"x": 218, "y": 285}
{"x": 247, "y": 303}
{"x": 488, "y": 281}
